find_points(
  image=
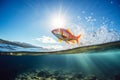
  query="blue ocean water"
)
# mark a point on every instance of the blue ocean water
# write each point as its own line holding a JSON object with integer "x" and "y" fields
{"x": 104, "y": 64}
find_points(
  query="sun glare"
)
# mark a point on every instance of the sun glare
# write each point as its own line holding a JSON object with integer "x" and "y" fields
{"x": 58, "y": 21}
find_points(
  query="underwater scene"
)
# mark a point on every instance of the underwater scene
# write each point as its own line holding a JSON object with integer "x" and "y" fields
{"x": 59, "y": 40}
{"x": 97, "y": 66}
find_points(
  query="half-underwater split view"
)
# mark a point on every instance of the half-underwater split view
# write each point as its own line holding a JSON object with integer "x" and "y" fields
{"x": 59, "y": 40}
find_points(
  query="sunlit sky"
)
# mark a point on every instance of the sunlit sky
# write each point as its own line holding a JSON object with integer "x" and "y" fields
{"x": 31, "y": 21}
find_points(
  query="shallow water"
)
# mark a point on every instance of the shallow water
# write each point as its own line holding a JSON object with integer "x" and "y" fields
{"x": 104, "y": 65}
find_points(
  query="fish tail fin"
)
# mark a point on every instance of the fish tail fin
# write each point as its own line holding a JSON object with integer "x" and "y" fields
{"x": 77, "y": 38}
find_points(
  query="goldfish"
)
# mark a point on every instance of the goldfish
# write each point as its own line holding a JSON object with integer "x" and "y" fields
{"x": 66, "y": 35}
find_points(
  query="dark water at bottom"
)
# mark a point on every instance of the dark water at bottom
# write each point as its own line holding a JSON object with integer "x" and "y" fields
{"x": 104, "y": 63}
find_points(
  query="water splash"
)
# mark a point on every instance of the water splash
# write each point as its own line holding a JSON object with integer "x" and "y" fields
{"x": 93, "y": 36}
{"x": 101, "y": 35}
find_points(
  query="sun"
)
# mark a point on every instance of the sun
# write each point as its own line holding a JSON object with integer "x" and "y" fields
{"x": 58, "y": 21}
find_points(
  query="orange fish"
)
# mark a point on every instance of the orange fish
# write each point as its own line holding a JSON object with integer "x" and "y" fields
{"x": 65, "y": 35}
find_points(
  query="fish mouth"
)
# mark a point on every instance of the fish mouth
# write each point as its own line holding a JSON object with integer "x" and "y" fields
{"x": 52, "y": 31}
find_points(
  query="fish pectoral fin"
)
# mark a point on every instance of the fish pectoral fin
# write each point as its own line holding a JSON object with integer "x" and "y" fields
{"x": 73, "y": 41}
{"x": 60, "y": 40}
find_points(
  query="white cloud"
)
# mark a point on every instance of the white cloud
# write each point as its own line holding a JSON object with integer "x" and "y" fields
{"x": 46, "y": 39}
{"x": 50, "y": 43}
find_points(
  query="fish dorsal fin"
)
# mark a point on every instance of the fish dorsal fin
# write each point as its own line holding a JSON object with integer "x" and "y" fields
{"x": 69, "y": 30}
{"x": 60, "y": 40}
